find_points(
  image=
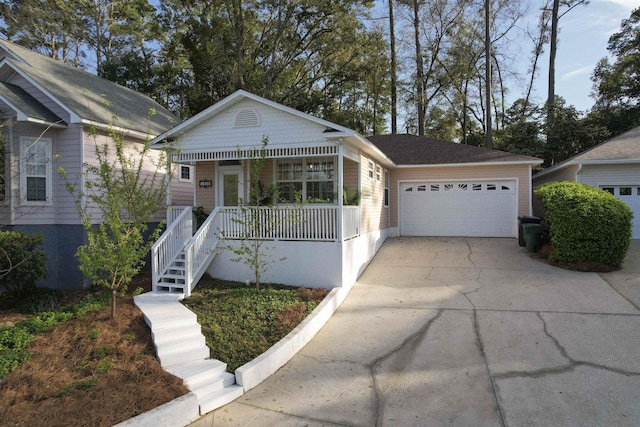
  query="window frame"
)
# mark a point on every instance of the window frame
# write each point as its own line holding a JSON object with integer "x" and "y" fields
{"x": 386, "y": 189}
{"x": 371, "y": 168}
{"x": 187, "y": 167}
{"x": 26, "y": 142}
{"x": 304, "y": 179}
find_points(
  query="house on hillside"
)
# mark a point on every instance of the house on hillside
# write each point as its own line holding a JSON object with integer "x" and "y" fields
{"x": 47, "y": 109}
{"x": 410, "y": 186}
{"x": 613, "y": 166}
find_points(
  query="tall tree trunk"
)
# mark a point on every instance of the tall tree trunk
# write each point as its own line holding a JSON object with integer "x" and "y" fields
{"x": 394, "y": 70}
{"x": 419, "y": 68}
{"x": 487, "y": 53}
{"x": 552, "y": 63}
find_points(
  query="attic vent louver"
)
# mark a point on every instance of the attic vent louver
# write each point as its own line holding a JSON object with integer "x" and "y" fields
{"x": 247, "y": 118}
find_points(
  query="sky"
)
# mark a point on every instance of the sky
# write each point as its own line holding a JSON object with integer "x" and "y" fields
{"x": 583, "y": 37}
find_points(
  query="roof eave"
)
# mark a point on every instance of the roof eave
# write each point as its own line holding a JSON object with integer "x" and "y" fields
{"x": 121, "y": 130}
{"x": 440, "y": 165}
{"x": 75, "y": 118}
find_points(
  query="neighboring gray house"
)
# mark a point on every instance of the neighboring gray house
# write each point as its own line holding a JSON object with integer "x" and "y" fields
{"x": 613, "y": 166}
{"x": 47, "y": 109}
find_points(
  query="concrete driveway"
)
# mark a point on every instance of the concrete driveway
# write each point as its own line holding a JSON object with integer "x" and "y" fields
{"x": 464, "y": 332}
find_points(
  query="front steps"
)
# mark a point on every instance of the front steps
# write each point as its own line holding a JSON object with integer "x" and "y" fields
{"x": 174, "y": 279}
{"x": 182, "y": 351}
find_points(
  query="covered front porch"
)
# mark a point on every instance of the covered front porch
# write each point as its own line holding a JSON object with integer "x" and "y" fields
{"x": 318, "y": 226}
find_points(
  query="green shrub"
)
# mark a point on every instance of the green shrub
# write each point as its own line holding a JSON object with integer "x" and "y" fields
{"x": 586, "y": 224}
{"x": 40, "y": 300}
{"x": 22, "y": 262}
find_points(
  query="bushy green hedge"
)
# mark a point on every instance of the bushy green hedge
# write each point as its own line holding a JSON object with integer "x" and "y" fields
{"x": 22, "y": 262}
{"x": 586, "y": 224}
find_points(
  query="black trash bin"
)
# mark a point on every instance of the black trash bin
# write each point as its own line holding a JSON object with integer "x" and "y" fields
{"x": 526, "y": 219}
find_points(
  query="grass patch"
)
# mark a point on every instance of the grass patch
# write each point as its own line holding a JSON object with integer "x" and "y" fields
{"x": 240, "y": 322}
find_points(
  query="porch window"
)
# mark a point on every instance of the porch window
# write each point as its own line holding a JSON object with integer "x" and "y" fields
{"x": 312, "y": 179}
{"x": 35, "y": 182}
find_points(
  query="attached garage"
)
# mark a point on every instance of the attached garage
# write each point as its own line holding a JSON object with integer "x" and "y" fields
{"x": 458, "y": 208}
{"x": 613, "y": 166}
{"x": 446, "y": 189}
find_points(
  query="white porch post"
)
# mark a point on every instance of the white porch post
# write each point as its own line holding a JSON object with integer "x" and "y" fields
{"x": 168, "y": 196}
{"x": 340, "y": 185}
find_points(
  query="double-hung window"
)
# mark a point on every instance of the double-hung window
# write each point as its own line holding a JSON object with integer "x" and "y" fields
{"x": 185, "y": 173}
{"x": 35, "y": 171}
{"x": 311, "y": 179}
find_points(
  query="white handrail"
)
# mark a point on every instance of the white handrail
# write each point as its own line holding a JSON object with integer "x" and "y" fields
{"x": 199, "y": 248}
{"x": 170, "y": 243}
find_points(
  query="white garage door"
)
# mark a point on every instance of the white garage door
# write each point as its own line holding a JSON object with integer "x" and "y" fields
{"x": 450, "y": 208}
{"x": 630, "y": 194}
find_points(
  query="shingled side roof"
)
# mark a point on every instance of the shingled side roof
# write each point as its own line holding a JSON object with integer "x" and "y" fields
{"x": 85, "y": 94}
{"x": 417, "y": 150}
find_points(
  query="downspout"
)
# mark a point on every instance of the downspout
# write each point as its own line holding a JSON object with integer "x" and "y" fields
{"x": 339, "y": 216}
{"x": 340, "y": 186}
{"x": 578, "y": 172}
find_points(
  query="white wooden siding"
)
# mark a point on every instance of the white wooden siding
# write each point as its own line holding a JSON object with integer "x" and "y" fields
{"x": 619, "y": 174}
{"x": 280, "y": 127}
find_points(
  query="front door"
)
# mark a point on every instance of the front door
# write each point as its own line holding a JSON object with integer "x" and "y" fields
{"x": 230, "y": 187}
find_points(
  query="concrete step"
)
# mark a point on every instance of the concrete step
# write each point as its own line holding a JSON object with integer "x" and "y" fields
{"x": 197, "y": 371}
{"x": 167, "y": 335}
{"x": 212, "y": 385}
{"x": 174, "y": 315}
{"x": 167, "y": 348}
{"x": 220, "y": 398}
{"x": 178, "y": 356}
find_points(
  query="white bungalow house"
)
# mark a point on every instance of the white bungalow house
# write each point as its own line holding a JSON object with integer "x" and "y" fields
{"x": 410, "y": 186}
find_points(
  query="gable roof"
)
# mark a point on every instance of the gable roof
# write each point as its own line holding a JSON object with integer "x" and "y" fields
{"x": 624, "y": 148}
{"x": 336, "y": 131}
{"x": 412, "y": 150}
{"x": 27, "y": 107}
{"x": 84, "y": 95}
{"x": 332, "y": 131}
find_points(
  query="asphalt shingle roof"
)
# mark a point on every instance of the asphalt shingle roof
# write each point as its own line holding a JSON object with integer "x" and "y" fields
{"x": 85, "y": 94}
{"x": 27, "y": 104}
{"x": 417, "y": 150}
{"x": 625, "y": 146}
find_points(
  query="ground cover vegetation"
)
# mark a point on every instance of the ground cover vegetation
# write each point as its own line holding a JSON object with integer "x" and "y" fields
{"x": 359, "y": 63}
{"x": 77, "y": 366}
{"x": 240, "y": 323}
{"x": 589, "y": 228}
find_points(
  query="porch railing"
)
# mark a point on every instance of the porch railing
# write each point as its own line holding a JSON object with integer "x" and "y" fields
{"x": 171, "y": 243}
{"x": 173, "y": 212}
{"x": 314, "y": 223}
{"x": 350, "y": 222}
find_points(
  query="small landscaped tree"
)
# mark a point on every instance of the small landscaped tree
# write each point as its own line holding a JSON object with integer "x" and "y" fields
{"x": 257, "y": 219}
{"x": 123, "y": 190}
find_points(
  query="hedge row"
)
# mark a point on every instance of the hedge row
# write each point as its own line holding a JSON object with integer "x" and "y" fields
{"x": 586, "y": 224}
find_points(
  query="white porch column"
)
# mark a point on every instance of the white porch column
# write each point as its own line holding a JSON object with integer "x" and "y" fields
{"x": 340, "y": 186}
{"x": 168, "y": 197}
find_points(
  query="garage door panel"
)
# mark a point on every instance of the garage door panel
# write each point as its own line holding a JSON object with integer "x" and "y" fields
{"x": 629, "y": 194}
{"x": 474, "y": 209}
